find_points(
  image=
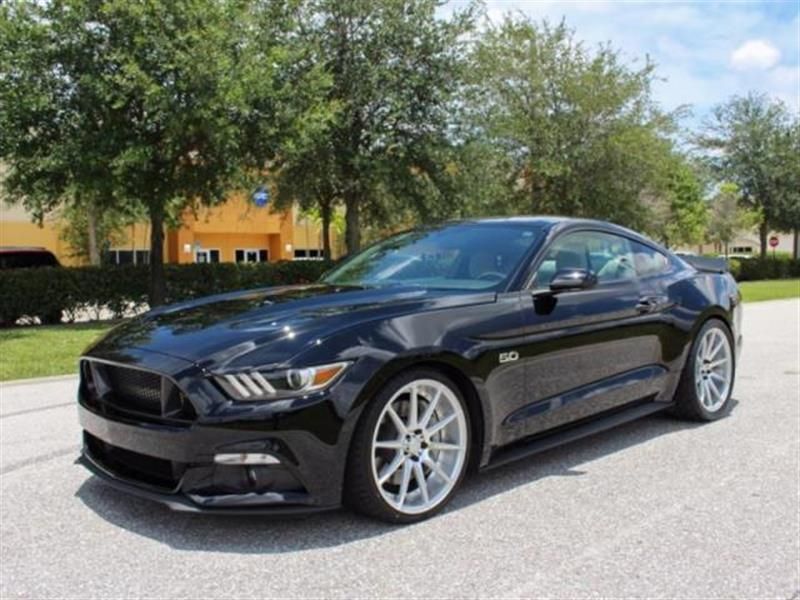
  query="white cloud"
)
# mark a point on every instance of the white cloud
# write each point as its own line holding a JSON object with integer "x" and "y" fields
{"x": 706, "y": 50}
{"x": 755, "y": 54}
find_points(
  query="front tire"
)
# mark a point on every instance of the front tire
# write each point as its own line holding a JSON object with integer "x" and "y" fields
{"x": 704, "y": 392}
{"x": 410, "y": 450}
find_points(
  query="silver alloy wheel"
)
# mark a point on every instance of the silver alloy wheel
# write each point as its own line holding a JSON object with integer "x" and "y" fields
{"x": 713, "y": 369}
{"x": 419, "y": 446}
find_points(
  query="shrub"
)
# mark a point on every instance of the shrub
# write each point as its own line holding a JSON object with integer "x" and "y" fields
{"x": 753, "y": 269}
{"x": 113, "y": 290}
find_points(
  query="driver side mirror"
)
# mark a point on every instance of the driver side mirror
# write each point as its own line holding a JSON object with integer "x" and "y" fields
{"x": 572, "y": 280}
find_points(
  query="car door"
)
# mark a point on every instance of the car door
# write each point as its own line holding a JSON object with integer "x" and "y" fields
{"x": 584, "y": 351}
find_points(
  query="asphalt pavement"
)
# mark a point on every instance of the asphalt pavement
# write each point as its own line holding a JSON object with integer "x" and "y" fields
{"x": 657, "y": 509}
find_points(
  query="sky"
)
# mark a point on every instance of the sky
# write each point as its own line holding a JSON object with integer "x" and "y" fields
{"x": 705, "y": 51}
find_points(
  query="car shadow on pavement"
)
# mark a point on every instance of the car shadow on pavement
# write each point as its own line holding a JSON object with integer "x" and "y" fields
{"x": 266, "y": 535}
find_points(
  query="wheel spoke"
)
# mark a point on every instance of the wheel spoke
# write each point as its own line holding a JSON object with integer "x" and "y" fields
{"x": 419, "y": 475}
{"x": 717, "y": 363}
{"x": 720, "y": 378}
{"x": 413, "y": 408}
{"x": 433, "y": 466}
{"x": 398, "y": 422}
{"x": 426, "y": 417}
{"x": 391, "y": 469}
{"x": 709, "y": 394}
{"x": 389, "y": 444}
{"x": 401, "y": 499}
{"x": 439, "y": 425}
{"x": 445, "y": 447}
{"x": 715, "y": 349}
{"x": 715, "y": 391}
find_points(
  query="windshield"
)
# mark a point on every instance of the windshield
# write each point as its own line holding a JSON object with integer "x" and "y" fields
{"x": 462, "y": 256}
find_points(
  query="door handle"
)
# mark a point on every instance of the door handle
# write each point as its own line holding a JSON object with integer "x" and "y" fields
{"x": 647, "y": 304}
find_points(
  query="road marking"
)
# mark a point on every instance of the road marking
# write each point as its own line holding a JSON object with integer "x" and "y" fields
{"x": 28, "y": 411}
{"x": 15, "y": 466}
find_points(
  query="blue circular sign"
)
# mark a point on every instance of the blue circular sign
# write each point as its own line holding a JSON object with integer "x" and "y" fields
{"x": 261, "y": 196}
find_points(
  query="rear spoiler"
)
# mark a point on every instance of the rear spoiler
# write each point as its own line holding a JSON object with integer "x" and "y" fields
{"x": 707, "y": 264}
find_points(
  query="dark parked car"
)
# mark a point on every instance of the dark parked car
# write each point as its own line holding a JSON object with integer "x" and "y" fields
{"x": 436, "y": 351}
{"x": 19, "y": 257}
{"x": 28, "y": 257}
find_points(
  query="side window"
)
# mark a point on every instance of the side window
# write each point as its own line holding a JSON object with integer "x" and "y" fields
{"x": 648, "y": 261}
{"x": 608, "y": 256}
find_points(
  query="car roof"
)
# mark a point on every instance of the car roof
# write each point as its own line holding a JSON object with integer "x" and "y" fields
{"x": 556, "y": 224}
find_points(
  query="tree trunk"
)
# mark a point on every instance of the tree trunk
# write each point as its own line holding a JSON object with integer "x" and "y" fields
{"x": 157, "y": 283}
{"x": 325, "y": 212}
{"x": 353, "y": 232}
{"x": 91, "y": 232}
{"x": 763, "y": 232}
{"x": 796, "y": 247}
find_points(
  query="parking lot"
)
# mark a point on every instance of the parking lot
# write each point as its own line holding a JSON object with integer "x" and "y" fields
{"x": 656, "y": 508}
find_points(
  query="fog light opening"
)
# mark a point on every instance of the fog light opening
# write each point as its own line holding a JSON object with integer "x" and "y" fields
{"x": 246, "y": 458}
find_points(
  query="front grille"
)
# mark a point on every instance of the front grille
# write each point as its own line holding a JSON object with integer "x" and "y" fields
{"x": 133, "y": 466}
{"x": 141, "y": 390}
{"x": 117, "y": 390}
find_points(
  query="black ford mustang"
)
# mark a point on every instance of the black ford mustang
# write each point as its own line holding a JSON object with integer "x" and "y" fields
{"x": 436, "y": 351}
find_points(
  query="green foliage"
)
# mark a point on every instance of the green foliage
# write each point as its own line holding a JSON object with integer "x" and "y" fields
{"x": 162, "y": 104}
{"x": 46, "y": 292}
{"x": 395, "y": 69}
{"x": 728, "y": 217}
{"x": 580, "y": 127}
{"x": 754, "y": 269}
{"x": 76, "y": 221}
{"x": 677, "y": 214}
{"x": 786, "y": 215}
{"x": 753, "y": 142}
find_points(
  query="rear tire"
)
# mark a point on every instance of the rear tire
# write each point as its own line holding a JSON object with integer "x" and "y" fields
{"x": 410, "y": 449}
{"x": 704, "y": 391}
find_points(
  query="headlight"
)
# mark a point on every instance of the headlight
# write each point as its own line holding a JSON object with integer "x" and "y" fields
{"x": 273, "y": 385}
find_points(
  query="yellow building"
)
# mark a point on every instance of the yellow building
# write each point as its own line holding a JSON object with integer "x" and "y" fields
{"x": 17, "y": 229}
{"x": 237, "y": 231}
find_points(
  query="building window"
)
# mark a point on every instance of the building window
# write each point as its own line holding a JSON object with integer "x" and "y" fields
{"x": 127, "y": 257}
{"x": 308, "y": 254}
{"x": 206, "y": 256}
{"x": 251, "y": 255}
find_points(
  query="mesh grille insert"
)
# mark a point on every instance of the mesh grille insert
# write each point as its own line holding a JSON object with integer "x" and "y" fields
{"x": 124, "y": 391}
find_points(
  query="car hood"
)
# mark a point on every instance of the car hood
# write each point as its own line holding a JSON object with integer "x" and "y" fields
{"x": 267, "y": 326}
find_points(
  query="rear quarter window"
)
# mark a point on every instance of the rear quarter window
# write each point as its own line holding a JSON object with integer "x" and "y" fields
{"x": 649, "y": 261}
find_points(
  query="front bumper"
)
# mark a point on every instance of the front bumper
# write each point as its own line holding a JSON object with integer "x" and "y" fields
{"x": 175, "y": 465}
{"x": 181, "y": 503}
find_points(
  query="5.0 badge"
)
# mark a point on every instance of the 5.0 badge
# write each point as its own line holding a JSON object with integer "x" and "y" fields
{"x": 509, "y": 356}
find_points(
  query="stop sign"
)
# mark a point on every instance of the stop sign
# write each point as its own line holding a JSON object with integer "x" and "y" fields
{"x": 773, "y": 241}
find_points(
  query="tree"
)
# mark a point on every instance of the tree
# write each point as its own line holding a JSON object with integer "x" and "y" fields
{"x": 677, "y": 214}
{"x": 51, "y": 137}
{"x": 174, "y": 100}
{"x": 787, "y": 184}
{"x": 394, "y": 67}
{"x": 728, "y": 217}
{"x": 748, "y": 142}
{"x": 88, "y": 233}
{"x": 581, "y": 130}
